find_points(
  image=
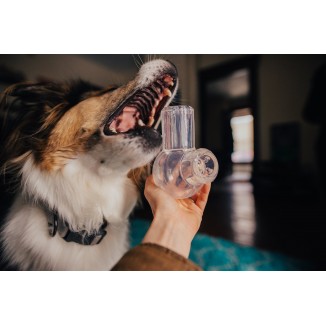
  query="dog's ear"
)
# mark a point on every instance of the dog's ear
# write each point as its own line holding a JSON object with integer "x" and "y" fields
{"x": 52, "y": 93}
{"x": 45, "y": 92}
{"x": 79, "y": 90}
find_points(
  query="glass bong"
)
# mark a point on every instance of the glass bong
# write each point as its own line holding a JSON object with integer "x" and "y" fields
{"x": 180, "y": 169}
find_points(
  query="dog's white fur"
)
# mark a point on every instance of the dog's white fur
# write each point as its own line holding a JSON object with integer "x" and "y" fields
{"x": 83, "y": 191}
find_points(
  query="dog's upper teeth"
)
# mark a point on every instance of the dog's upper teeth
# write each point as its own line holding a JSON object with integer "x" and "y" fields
{"x": 169, "y": 80}
{"x": 141, "y": 122}
{"x": 167, "y": 92}
{"x": 113, "y": 130}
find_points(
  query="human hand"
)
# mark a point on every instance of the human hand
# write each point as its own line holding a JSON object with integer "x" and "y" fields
{"x": 176, "y": 221}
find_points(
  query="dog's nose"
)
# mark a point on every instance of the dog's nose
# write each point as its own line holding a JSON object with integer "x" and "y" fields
{"x": 174, "y": 66}
{"x": 161, "y": 66}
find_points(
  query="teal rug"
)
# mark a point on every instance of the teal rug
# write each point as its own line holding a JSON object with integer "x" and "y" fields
{"x": 217, "y": 254}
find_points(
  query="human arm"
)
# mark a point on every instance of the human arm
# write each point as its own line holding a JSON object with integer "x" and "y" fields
{"x": 166, "y": 244}
{"x": 176, "y": 221}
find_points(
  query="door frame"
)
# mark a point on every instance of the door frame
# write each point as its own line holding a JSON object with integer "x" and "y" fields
{"x": 250, "y": 62}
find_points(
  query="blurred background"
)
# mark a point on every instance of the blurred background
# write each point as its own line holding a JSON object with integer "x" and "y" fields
{"x": 264, "y": 118}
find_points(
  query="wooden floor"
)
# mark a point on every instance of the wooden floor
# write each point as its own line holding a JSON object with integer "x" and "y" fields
{"x": 275, "y": 214}
{"x": 287, "y": 221}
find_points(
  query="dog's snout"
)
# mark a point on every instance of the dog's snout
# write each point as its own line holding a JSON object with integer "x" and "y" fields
{"x": 158, "y": 67}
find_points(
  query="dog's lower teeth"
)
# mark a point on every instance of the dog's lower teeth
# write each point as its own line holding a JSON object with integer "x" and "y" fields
{"x": 141, "y": 123}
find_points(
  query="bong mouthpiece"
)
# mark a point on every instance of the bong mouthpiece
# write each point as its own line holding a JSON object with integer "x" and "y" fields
{"x": 178, "y": 127}
{"x": 180, "y": 169}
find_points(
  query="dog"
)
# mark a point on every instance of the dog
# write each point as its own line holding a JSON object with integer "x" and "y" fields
{"x": 73, "y": 154}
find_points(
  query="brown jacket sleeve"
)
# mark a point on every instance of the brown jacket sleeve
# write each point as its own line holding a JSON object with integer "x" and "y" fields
{"x": 153, "y": 257}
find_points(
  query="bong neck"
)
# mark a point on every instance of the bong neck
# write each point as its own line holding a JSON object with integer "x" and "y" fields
{"x": 178, "y": 128}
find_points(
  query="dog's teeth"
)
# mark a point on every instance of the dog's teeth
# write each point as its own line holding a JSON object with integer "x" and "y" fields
{"x": 168, "y": 80}
{"x": 150, "y": 121}
{"x": 167, "y": 92}
{"x": 151, "y": 117}
{"x": 141, "y": 122}
{"x": 113, "y": 130}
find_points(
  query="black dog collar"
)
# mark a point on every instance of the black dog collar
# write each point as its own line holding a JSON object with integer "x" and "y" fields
{"x": 58, "y": 225}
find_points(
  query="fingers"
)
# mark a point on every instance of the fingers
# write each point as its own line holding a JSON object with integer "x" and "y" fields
{"x": 149, "y": 184}
{"x": 149, "y": 187}
{"x": 152, "y": 192}
{"x": 201, "y": 197}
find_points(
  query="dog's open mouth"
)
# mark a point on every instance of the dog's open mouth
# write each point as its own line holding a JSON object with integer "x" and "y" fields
{"x": 142, "y": 109}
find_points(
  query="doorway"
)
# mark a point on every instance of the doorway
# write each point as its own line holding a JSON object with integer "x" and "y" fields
{"x": 228, "y": 98}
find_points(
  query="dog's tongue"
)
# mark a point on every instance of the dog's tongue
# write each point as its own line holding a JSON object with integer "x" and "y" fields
{"x": 126, "y": 120}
